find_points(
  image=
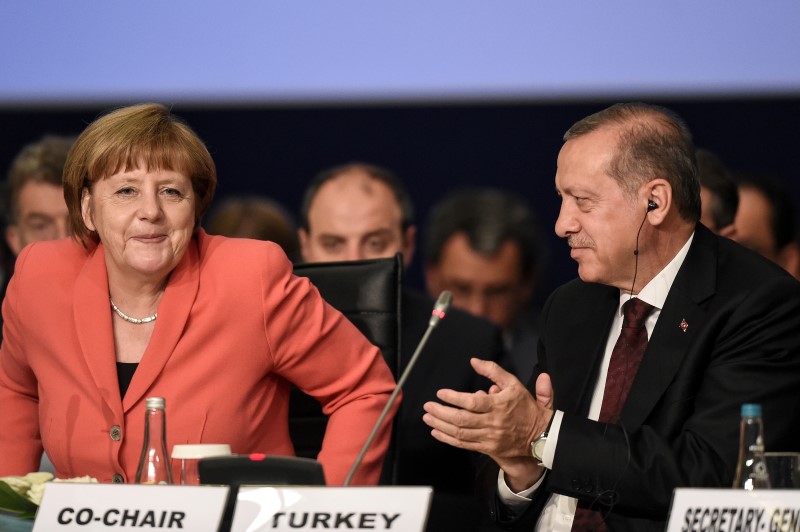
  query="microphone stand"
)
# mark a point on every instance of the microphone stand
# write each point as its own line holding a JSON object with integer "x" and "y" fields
{"x": 439, "y": 311}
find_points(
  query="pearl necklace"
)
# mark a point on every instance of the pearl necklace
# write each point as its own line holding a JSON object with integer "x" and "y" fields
{"x": 135, "y": 321}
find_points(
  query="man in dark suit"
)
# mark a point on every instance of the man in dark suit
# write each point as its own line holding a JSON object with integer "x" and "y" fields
{"x": 766, "y": 221}
{"x": 722, "y": 326}
{"x": 483, "y": 245}
{"x": 360, "y": 211}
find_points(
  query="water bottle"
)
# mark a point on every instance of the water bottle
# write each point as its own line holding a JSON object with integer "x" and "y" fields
{"x": 154, "y": 465}
{"x": 751, "y": 469}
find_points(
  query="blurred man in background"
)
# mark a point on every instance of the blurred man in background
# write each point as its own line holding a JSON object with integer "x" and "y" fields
{"x": 36, "y": 207}
{"x": 718, "y": 194}
{"x": 255, "y": 217}
{"x": 483, "y": 246}
{"x": 766, "y": 222}
{"x": 360, "y": 211}
{"x": 34, "y": 199}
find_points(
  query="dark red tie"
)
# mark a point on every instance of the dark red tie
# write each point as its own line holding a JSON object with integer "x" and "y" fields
{"x": 622, "y": 368}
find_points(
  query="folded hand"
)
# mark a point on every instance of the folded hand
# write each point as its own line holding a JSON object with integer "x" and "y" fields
{"x": 500, "y": 423}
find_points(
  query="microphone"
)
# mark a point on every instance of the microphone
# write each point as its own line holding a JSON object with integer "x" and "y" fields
{"x": 437, "y": 315}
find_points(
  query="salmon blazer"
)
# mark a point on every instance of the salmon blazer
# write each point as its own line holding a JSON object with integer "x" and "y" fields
{"x": 234, "y": 328}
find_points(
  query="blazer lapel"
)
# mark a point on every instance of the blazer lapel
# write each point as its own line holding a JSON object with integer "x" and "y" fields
{"x": 92, "y": 314}
{"x": 173, "y": 313}
{"x": 678, "y": 325}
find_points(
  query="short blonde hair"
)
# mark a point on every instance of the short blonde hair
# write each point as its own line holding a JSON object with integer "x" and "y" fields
{"x": 145, "y": 135}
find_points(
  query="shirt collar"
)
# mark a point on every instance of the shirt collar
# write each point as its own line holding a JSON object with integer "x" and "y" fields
{"x": 655, "y": 292}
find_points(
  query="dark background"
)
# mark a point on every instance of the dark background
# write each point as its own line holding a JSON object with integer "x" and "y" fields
{"x": 274, "y": 151}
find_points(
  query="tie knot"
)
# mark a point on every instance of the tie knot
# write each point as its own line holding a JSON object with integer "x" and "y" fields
{"x": 635, "y": 312}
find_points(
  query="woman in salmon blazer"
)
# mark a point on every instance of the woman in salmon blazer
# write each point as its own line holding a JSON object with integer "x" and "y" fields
{"x": 141, "y": 302}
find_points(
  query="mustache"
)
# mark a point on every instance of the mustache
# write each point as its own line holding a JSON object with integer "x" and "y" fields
{"x": 577, "y": 242}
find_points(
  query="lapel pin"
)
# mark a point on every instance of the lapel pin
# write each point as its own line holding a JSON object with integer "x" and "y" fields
{"x": 683, "y": 325}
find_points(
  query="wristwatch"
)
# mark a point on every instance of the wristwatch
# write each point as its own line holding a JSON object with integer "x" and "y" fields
{"x": 537, "y": 446}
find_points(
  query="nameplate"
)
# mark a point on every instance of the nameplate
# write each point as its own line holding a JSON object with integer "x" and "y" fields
{"x": 730, "y": 509}
{"x": 87, "y": 507}
{"x": 398, "y": 508}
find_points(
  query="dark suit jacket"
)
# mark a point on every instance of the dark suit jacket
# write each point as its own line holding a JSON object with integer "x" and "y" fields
{"x": 680, "y": 423}
{"x": 444, "y": 363}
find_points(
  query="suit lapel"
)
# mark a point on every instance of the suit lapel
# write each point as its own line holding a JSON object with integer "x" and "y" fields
{"x": 92, "y": 313}
{"x": 583, "y": 350}
{"x": 173, "y": 313}
{"x": 680, "y": 322}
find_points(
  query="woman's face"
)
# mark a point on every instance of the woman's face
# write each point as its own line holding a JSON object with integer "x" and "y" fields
{"x": 145, "y": 220}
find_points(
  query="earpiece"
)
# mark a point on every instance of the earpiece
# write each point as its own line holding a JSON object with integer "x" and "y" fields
{"x": 651, "y": 205}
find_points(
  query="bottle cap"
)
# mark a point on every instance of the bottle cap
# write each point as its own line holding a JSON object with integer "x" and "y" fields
{"x": 200, "y": 450}
{"x": 155, "y": 402}
{"x": 751, "y": 409}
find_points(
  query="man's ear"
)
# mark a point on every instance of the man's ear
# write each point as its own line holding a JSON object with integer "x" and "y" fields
{"x": 13, "y": 239}
{"x": 86, "y": 209}
{"x": 659, "y": 192}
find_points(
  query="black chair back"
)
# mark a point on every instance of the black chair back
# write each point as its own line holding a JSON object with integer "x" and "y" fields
{"x": 367, "y": 292}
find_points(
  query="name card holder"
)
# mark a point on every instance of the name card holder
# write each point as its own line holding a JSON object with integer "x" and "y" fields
{"x": 730, "y": 509}
{"x": 87, "y": 507}
{"x": 398, "y": 508}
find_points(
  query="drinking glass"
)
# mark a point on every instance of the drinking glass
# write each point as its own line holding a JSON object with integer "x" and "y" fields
{"x": 190, "y": 455}
{"x": 784, "y": 470}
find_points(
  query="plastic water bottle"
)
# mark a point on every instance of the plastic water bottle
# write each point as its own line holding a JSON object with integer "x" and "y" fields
{"x": 751, "y": 469}
{"x": 154, "y": 465}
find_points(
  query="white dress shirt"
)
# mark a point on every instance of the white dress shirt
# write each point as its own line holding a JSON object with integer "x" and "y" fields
{"x": 559, "y": 510}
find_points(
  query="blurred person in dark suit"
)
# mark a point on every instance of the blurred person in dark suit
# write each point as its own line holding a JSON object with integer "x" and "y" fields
{"x": 766, "y": 221}
{"x": 482, "y": 244}
{"x": 361, "y": 211}
{"x": 719, "y": 196}
{"x": 36, "y": 207}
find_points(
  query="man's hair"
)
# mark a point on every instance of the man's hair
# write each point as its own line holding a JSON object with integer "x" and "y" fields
{"x": 714, "y": 176}
{"x": 143, "y": 136}
{"x": 39, "y": 162}
{"x": 255, "y": 217}
{"x": 783, "y": 214}
{"x": 654, "y": 142}
{"x": 488, "y": 217}
{"x": 378, "y": 173}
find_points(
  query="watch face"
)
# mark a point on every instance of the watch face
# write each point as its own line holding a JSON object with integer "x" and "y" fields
{"x": 537, "y": 447}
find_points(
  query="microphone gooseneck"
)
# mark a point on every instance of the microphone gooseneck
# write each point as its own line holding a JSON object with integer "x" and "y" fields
{"x": 438, "y": 313}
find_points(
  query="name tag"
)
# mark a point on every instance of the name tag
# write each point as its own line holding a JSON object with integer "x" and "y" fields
{"x": 728, "y": 510}
{"x": 87, "y": 507}
{"x": 398, "y": 508}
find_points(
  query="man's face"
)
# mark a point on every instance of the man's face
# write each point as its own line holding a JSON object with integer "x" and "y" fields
{"x": 355, "y": 217}
{"x": 42, "y": 215}
{"x": 488, "y": 286}
{"x": 753, "y": 223}
{"x": 597, "y": 218}
{"x": 707, "y": 199}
